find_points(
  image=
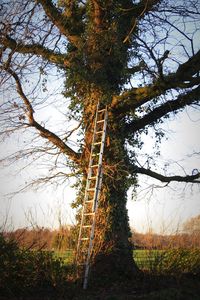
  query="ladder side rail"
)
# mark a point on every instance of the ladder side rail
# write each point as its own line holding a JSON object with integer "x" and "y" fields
{"x": 92, "y": 147}
{"x": 95, "y": 203}
{"x": 98, "y": 182}
{"x": 93, "y": 140}
{"x": 92, "y": 229}
{"x": 82, "y": 214}
{"x": 87, "y": 264}
{"x": 87, "y": 185}
{"x": 80, "y": 230}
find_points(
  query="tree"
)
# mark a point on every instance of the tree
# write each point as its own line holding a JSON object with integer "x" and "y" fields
{"x": 138, "y": 57}
{"x": 192, "y": 226}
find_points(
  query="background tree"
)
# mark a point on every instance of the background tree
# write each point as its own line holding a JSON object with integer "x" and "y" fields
{"x": 192, "y": 226}
{"x": 141, "y": 58}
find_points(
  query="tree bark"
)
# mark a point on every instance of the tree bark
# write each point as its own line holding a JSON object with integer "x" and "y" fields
{"x": 112, "y": 250}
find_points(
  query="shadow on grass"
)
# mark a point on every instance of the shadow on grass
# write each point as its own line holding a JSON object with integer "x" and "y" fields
{"x": 144, "y": 287}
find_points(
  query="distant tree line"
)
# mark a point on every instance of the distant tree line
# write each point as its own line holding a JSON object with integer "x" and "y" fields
{"x": 65, "y": 238}
{"x": 162, "y": 241}
{"x": 189, "y": 237}
{"x": 43, "y": 238}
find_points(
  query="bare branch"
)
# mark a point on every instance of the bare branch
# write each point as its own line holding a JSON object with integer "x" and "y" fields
{"x": 146, "y": 6}
{"x": 189, "y": 178}
{"x": 182, "y": 78}
{"x": 47, "y": 134}
{"x": 156, "y": 114}
{"x": 36, "y": 49}
{"x": 139, "y": 10}
{"x": 189, "y": 68}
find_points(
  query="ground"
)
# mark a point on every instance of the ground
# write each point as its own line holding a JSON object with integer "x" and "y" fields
{"x": 144, "y": 287}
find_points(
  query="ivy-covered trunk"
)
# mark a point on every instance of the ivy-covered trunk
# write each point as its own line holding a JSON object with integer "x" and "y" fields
{"x": 112, "y": 250}
{"x": 98, "y": 73}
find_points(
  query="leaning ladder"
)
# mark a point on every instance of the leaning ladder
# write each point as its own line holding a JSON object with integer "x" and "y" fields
{"x": 92, "y": 193}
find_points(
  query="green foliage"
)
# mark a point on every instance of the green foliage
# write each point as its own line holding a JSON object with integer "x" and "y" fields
{"x": 66, "y": 256}
{"x": 100, "y": 61}
{"x": 22, "y": 271}
{"x": 178, "y": 261}
{"x": 169, "y": 262}
{"x": 63, "y": 239}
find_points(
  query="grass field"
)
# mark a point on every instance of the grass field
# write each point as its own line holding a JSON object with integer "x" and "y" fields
{"x": 143, "y": 258}
{"x": 167, "y": 275}
{"x": 160, "y": 261}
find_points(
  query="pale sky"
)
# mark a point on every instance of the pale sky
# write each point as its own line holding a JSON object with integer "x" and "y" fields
{"x": 169, "y": 207}
{"x": 164, "y": 210}
{"x": 161, "y": 209}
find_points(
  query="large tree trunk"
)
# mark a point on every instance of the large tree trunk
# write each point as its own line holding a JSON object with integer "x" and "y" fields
{"x": 101, "y": 75}
{"x": 112, "y": 250}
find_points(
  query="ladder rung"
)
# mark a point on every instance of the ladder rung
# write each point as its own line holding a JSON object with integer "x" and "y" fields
{"x": 98, "y": 143}
{"x": 90, "y": 189}
{"x": 88, "y": 201}
{"x": 93, "y": 177}
{"x": 101, "y": 110}
{"x": 94, "y": 166}
{"x": 100, "y": 121}
{"x": 98, "y": 132}
{"x": 83, "y": 251}
{"x": 89, "y": 214}
{"x": 95, "y": 154}
{"x": 84, "y": 239}
{"x": 87, "y": 226}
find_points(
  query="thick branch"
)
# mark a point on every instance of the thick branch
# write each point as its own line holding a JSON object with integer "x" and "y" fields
{"x": 182, "y": 100}
{"x": 97, "y": 14}
{"x": 58, "y": 19}
{"x": 189, "y": 68}
{"x": 36, "y": 49}
{"x": 188, "y": 178}
{"x": 183, "y": 78}
{"x": 45, "y": 133}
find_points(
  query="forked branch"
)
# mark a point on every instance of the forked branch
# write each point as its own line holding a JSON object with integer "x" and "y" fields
{"x": 59, "y": 20}
{"x": 183, "y": 78}
{"x": 45, "y": 133}
{"x": 192, "y": 97}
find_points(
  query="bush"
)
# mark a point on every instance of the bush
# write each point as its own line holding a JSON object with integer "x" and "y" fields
{"x": 178, "y": 261}
{"x": 23, "y": 270}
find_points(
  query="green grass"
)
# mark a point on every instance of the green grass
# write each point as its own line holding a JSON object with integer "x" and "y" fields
{"x": 159, "y": 261}
{"x": 172, "y": 261}
{"x": 66, "y": 256}
{"x": 146, "y": 259}
{"x": 143, "y": 258}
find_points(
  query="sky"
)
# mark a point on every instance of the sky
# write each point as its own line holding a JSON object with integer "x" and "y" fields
{"x": 168, "y": 208}
{"x": 157, "y": 208}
